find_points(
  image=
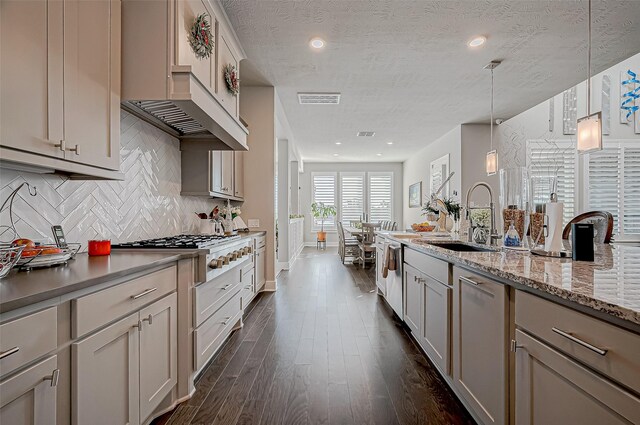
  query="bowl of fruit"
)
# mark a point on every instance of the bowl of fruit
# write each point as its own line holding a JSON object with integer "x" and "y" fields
{"x": 423, "y": 227}
{"x": 40, "y": 255}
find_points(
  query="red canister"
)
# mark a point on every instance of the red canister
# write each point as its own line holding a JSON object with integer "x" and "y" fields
{"x": 102, "y": 247}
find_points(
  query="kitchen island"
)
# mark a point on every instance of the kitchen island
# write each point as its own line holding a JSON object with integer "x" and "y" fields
{"x": 515, "y": 334}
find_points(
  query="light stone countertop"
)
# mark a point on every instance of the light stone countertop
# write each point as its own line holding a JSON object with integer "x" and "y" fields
{"x": 609, "y": 285}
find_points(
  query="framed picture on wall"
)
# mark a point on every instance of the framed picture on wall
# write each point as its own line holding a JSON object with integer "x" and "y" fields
{"x": 415, "y": 195}
{"x": 439, "y": 171}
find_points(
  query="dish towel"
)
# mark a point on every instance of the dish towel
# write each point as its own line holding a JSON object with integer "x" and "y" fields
{"x": 394, "y": 255}
{"x": 385, "y": 260}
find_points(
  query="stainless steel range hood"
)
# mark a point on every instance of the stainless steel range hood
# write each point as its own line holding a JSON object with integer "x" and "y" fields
{"x": 165, "y": 86}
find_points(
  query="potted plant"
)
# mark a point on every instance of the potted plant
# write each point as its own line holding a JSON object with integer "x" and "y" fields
{"x": 322, "y": 211}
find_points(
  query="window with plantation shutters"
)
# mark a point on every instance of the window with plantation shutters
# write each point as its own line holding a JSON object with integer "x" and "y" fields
{"x": 612, "y": 177}
{"x": 380, "y": 192}
{"x": 324, "y": 190}
{"x": 351, "y": 197}
{"x": 554, "y": 159}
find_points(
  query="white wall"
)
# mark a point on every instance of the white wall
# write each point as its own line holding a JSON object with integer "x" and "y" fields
{"x": 534, "y": 123}
{"x": 306, "y": 190}
{"x": 417, "y": 168}
{"x": 476, "y": 142}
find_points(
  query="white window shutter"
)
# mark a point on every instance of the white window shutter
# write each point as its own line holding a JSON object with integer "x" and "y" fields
{"x": 380, "y": 197}
{"x": 352, "y": 197}
{"x": 324, "y": 190}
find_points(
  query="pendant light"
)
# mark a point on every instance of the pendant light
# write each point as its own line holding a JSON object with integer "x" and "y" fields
{"x": 492, "y": 155}
{"x": 590, "y": 127}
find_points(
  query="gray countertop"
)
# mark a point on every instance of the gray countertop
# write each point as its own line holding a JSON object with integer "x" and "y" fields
{"x": 22, "y": 288}
{"x": 610, "y": 285}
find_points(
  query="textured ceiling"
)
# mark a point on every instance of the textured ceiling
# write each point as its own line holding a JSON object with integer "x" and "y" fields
{"x": 404, "y": 68}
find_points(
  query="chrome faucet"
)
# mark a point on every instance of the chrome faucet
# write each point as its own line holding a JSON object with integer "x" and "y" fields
{"x": 493, "y": 233}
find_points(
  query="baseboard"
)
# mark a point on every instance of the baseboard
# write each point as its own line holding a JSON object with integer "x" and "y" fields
{"x": 270, "y": 286}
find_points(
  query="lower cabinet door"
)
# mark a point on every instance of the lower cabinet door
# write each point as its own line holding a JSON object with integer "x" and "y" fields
{"x": 105, "y": 386}
{"x": 29, "y": 398}
{"x": 554, "y": 389}
{"x": 480, "y": 352}
{"x": 413, "y": 299}
{"x": 158, "y": 353}
{"x": 436, "y": 332}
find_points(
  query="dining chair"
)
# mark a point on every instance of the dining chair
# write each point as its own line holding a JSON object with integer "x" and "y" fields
{"x": 347, "y": 247}
{"x": 367, "y": 249}
{"x": 602, "y": 224}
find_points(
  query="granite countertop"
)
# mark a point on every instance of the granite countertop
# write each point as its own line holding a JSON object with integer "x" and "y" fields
{"x": 610, "y": 284}
{"x": 22, "y": 288}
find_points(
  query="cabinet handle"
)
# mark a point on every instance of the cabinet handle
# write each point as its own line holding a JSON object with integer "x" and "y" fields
{"x": 227, "y": 286}
{"x": 247, "y": 287}
{"x": 515, "y": 346}
{"x": 9, "y": 352}
{"x": 471, "y": 281}
{"x": 226, "y": 321}
{"x": 139, "y": 326}
{"x": 579, "y": 341}
{"x": 63, "y": 147}
{"x": 143, "y": 293}
{"x": 55, "y": 375}
{"x": 148, "y": 319}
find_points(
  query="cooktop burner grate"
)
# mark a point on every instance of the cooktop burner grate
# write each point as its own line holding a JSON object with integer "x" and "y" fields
{"x": 178, "y": 242}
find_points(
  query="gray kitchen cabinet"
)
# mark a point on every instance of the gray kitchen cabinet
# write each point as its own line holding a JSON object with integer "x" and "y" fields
{"x": 381, "y": 282}
{"x": 226, "y": 57}
{"x": 61, "y": 85}
{"x": 552, "y": 388}
{"x": 123, "y": 372}
{"x": 158, "y": 353}
{"x": 238, "y": 174}
{"x": 480, "y": 349}
{"x": 260, "y": 268}
{"x": 413, "y": 299}
{"x": 105, "y": 375}
{"x": 29, "y": 398}
{"x": 435, "y": 336}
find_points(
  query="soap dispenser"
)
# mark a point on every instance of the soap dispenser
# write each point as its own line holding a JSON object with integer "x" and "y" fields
{"x": 512, "y": 238}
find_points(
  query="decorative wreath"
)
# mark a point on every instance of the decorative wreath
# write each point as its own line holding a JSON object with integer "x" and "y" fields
{"x": 200, "y": 37}
{"x": 231, "y": 78}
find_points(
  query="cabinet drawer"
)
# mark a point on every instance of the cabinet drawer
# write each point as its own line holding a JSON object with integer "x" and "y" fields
{"x": 559, "y": 325}
{"x": 247, "y": 268}
{"x": 261, "y": 241}
{"x": 436, "y": 268}
{"x": 212, "y": 333}
{"x": 212, "y": 294}
{"x": 27, "y": 338}
{"x": 95, "y": 310}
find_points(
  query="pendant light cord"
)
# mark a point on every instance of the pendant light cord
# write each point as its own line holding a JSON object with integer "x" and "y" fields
{"x": 589, "y": 67}
{"x": 491, "y": 124}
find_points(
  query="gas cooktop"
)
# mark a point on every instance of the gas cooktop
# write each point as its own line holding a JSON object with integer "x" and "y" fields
{"x": 179, "y": 242}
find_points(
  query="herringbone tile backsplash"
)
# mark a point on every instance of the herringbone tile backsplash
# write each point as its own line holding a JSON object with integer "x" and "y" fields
{"x": 147, "y": 204}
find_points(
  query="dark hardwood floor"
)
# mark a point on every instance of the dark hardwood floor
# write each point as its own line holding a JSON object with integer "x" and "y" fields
{"x": 323, "y": 349}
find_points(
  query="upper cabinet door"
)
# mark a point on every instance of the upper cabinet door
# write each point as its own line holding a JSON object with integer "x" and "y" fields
{"x": 238, "y": 174}
{"x": 226, "y": 57}
{"x": 31, "y": 76}
{"x": 227, "y": 172}
{"x": 215, "y": 159}
{"x": 92, "y": 82}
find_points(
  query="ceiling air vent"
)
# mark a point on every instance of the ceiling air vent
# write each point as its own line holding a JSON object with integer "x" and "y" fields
{"x": 319, "y": 98}
{"x": 366, "y": 133}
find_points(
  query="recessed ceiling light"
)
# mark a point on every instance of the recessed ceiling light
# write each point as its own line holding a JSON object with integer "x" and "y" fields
{"x": 477, "y": 41}
{"x": 378, "y": 154}
{"x": 338, "y": 143}
{"x": 335, "y": 154}
{"x": 389, "y": 143}
{"x": 316, "y": 43}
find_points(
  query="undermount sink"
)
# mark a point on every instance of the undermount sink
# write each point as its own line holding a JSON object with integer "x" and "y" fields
{"x": 461, "y": 247}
